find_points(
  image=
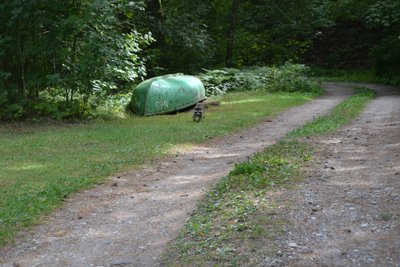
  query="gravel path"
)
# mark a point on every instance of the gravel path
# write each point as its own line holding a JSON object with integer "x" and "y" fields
{"x": 129, "y": 221}
{"x": 348, "y": 212}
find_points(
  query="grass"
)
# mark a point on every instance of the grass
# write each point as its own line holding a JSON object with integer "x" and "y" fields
{"x": 41, "y": 165}
{"x": 340, "y": 115}
{"x": 232, "y": 224}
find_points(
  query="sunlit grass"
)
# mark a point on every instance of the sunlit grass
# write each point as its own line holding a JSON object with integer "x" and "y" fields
{"x": 40, "y": 165}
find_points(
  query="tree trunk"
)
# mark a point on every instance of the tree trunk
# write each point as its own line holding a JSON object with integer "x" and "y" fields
{"x": 231, "y": 34}
{"x": 73, "y": 57}
{"x": 155, "y": 9}
{"x": 22, "y": 82}
{"x": 34, "y": 64}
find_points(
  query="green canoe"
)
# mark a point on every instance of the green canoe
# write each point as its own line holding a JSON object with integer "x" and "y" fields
{"x": 166, "y": 94}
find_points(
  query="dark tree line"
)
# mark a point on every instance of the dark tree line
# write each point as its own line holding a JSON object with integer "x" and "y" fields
{"x": 55, "y": 56}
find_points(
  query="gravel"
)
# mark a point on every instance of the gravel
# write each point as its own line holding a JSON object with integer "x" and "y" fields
{"x": 354, "y": 182}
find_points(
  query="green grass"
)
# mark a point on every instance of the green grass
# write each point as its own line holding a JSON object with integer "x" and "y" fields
{"x": 339, "y": 116}
{"x": 233, "y": 222}
{"x": 41, "y": 165}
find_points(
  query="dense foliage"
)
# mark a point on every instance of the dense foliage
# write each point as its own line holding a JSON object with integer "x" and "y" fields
{"x": 286, "y": 78}
{"x": 66, "y": 58}
{"x": 57, "y": 55}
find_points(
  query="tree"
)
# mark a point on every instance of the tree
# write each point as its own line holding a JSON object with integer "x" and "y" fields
{"x": 384, "y": 16}
{"x": 73, "y": 49}
{"x": 183, "y": 42}
{"x": 231, "y": 33}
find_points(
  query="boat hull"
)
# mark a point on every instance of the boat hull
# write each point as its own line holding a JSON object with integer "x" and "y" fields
{"x": 166, "y": 94}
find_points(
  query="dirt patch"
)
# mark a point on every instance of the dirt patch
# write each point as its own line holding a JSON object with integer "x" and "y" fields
{"x": 347, "y": 212}
{"x": 129, "y": 221}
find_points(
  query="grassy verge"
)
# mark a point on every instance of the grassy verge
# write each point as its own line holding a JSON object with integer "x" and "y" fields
{"x": 42, "y": 165}
{"x": 233, "y": 221}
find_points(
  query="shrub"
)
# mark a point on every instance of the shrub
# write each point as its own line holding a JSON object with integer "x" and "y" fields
{"x": 218, "y": 82}
{"x": 286, "y": 78}
{"x": 8, "y": 109}
{"x": 290, "y": 78}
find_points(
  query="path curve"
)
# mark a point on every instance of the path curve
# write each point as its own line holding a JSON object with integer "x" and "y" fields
{"x": 129, "y": 221}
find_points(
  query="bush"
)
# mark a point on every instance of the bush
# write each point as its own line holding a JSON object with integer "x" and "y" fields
{"x": 8, "y": 109}
{"x": 290, "y": 78}
{"x": 287, "y": 78}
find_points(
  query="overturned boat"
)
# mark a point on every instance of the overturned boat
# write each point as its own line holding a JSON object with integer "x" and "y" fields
{"x": 166, "y": 94}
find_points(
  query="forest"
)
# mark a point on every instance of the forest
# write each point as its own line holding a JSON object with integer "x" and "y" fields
{"x": 64, "y": 59}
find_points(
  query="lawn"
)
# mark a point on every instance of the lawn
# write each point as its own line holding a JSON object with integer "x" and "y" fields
{"x": 42, "y": 164}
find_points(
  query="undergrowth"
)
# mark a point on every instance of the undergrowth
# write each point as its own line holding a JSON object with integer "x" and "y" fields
{"x": 286, "y": 78}
{"x": 358, "y": 76}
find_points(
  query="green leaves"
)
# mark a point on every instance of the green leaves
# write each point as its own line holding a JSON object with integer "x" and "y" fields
{"x": 286, "y": 78}
{"x": 80, "y": 49}
{"x": 384, "y": 13}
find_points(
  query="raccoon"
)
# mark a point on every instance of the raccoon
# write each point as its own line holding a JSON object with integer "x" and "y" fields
{"x": 198, "y": 112}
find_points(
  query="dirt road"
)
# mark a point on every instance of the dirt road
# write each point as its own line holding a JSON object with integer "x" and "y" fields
{"x": 129, "y": 221}
{"x": 348, "y": 212}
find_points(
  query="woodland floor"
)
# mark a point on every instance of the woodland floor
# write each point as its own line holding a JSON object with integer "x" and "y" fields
{"x": 345, "y": 214}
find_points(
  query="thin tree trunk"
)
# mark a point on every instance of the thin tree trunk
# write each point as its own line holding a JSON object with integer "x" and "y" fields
{"x": 231, "y": 34}
{"x": 22, "y": 81}
{"x": 73, "y": 56}
{"x": 155, "y": 9}
{"x": 33, "y": 93}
